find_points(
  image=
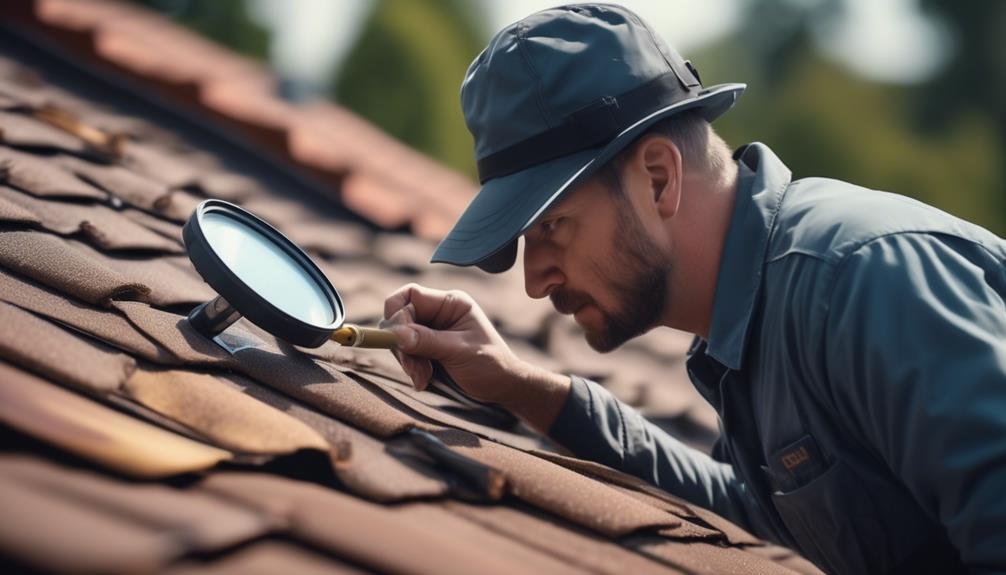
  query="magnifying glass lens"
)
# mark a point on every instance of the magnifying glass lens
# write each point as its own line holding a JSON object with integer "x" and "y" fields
{"x": 266, "y": 268}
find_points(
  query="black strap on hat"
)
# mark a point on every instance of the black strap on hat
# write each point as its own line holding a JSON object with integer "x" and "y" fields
{"x": 589, "y": 127}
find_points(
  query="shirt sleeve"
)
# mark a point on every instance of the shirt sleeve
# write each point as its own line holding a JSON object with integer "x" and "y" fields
{"x": 916, "y": 361}
{"x": 594, "y": 425}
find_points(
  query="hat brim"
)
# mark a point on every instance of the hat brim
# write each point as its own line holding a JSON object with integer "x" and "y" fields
{"x": 485, "y": 235}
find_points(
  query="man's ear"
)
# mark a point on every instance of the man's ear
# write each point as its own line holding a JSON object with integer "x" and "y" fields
{"x": 661, "y": 160}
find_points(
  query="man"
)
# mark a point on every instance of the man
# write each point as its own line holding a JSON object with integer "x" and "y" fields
{"x": 852, "y": 341}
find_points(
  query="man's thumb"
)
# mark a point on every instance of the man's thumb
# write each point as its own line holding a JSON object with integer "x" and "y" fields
{"x": 419, "y": 340}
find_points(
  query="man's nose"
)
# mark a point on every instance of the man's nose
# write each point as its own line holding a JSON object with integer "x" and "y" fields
{"x": 541, "y": 270}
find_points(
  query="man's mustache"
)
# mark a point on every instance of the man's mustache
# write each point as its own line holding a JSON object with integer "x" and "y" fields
{"x": 567, "y": 301}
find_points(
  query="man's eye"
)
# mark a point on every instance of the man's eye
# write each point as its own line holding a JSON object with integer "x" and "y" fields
{"x": 549, "y": 226}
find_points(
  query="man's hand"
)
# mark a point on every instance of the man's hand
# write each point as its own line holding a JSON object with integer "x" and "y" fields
{"x": 449, "y": 327}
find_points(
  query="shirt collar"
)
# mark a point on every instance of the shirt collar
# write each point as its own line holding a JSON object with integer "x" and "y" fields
{"x": 760, "y": 188}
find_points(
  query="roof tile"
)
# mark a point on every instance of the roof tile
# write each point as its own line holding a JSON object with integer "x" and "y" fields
{"x": 172, "y": 169}
{"x": 325, "y": 388}
{"x": 95, "y": 432}
{"x": 579, "y": 499}
{"x": 269, "y": 558}
{"x": 388, "y": 207}
{"x": 42, "y": 178}
{"x": 101, "y": 324}
{"x": 78, "y": 539}
{"x": 164, "y": 227}
{"x": 434, "y": 407}
{"x": 121, "y": 183}
{"x": 55, "y": 263}
{"x": 169, "y": 280}
{"x": 577, "y": 547}
{"x": 228, "y": 186}
{"x": 101, "y": 226}
{"x": 521, "y": 558}
{"x": 197, "y": 519}
{"x": 378, "y": 470}
{"x": 14, "y": 213}
{"x": 25, "y": 90}
{"x": 224, "y": 415}
{"x": 22, "y": 131}
{"x": 174, "y": 333}
{"x": 48, "y": 349}
{"x": 362, "y": 530}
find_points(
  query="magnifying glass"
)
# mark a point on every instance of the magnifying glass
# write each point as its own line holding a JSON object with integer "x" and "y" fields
{"x": 260, "y": 274}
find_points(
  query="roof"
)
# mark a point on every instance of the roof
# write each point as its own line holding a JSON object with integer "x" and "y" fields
{"x": 132, "y": 444}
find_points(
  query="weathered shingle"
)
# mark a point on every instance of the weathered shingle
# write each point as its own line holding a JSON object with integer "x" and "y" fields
{"x": 222, "y": 414}
{"x": 95, "y": 432}
{"x": 43, "y": 178}
{"x": 44, "y": 347}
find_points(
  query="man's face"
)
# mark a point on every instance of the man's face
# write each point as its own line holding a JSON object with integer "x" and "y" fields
{"x": 592, "y": 256}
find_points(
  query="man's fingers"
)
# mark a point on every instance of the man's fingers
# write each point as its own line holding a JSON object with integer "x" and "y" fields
{"x": 411, "y": 366}
{"x": 431, "y": 306}
{"x": 397, "y": 300}
{"x": 424, "y": 372}
{"x": 405, "y": 315}
{"x": 419, "y": 370}
{"x": 413, "y": 294}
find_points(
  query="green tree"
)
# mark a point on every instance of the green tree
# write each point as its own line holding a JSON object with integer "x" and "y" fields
{"x": 975, "y": 77}
{"x": 405, "y": 72}
{"x": 824, "y": 120}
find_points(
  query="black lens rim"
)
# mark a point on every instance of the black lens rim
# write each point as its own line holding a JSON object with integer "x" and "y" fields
{"x": 243, "y": 298}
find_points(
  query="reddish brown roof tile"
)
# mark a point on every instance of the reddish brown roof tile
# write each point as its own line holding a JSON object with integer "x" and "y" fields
{"x": 576, "y": 547}
{"x": 326, "y": 388}
{"x": 268, "y": 558}
{"x": 121, "y": 183}
{"x": 18, "y": 130}
{"x": 195, "y": 519}
{"x": 104, "y": 325}
{"x": 366, "y": 466}
{"x": 401, "y": 189}
{"x": 520, "y": 557}
{"x": 164, "y": 281}
{"x": 42, "y": 178}
{"x": 173, "y": 333}
{"x": 168, "y": 229}
{"x": 78, "y": 539}
{"x": 361, "y": 531}
{"x": 95, "y": 432}
{"x": 15, "y": 213}
{"x": 45, "y": 348}
{"x": 555, "y": 489}
{"x": 220, "y": 413}
{"x": 55, "y": 263}
{"x": 105, "y": 228}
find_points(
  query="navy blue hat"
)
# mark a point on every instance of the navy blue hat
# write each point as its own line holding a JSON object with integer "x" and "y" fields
{"x": 552, "y": 99}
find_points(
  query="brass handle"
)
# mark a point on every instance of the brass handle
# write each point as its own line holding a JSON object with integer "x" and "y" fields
{"x": 356, "y": 336}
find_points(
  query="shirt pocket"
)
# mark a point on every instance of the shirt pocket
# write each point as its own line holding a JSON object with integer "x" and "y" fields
{"x": 834, "y": 522}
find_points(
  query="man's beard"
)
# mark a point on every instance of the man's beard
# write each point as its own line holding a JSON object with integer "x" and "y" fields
{"x": 640, "y": 286}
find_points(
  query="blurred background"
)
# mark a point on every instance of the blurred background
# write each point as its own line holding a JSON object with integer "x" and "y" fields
{"x": 901, "y": 95}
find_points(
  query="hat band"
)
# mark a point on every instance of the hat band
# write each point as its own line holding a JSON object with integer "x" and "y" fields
{"x": 589, "y": 127}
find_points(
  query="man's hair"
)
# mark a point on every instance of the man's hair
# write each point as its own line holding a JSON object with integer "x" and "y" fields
{"x": 702, "y": 149}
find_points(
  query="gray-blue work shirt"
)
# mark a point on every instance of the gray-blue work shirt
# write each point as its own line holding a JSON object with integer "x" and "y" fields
{"x": 857, "y": 361}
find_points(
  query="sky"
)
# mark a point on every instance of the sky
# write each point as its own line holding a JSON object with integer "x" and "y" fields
{"x": 885, "y": 40}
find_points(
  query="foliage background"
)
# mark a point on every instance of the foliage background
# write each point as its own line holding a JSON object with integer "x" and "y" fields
{"x": 942, "y": 140}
